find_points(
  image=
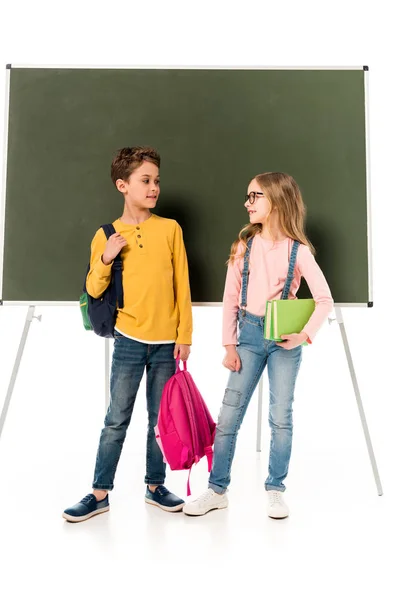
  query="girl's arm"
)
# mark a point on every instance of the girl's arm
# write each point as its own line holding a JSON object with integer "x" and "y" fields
{"x": 319, "y": 289}
{"x": 231, "y": 300}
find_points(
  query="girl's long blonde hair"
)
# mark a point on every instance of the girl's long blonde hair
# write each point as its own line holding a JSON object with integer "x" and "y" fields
{"x": 284, "y": 194}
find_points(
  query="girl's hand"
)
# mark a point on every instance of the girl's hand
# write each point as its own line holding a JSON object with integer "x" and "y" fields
{"x": 232, "y": 359}
{"x": 292, "y": 341}
{"x": 114, "y": 245}
{"x": 183, "y": 350}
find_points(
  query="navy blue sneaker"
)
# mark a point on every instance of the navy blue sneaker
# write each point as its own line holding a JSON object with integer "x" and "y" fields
{"x": 86, "y": 508}
{"x": 164, "y": 499}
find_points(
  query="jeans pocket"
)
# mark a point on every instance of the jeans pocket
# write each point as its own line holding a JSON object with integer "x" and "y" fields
{"x": 232, "y": 397}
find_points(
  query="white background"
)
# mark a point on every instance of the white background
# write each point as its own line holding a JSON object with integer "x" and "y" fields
{"x": 341, "y": 538}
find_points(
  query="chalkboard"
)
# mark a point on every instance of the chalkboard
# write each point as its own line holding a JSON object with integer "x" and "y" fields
{"x": 215, "y": 130}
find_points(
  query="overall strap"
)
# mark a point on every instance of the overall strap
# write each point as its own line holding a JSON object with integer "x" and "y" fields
{"x": 245, "y": 276}
{"x": 290, "y": 275}
{"x": 183, "y": 384}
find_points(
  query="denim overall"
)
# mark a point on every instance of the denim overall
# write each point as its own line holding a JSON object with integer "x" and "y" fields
{"x": 255, "y": 354}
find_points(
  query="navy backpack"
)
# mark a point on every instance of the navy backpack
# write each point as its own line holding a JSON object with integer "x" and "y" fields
{"x": 99, "y": 314}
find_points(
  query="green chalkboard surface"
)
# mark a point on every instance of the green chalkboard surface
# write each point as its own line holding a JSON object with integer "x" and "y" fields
{"x": 215, "y": 129}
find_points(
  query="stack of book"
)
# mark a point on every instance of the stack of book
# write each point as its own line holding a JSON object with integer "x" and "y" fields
{"x": 283, "y": 317}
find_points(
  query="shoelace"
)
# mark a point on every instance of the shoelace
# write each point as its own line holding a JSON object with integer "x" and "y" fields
{"x": 205, "y": 496}
{"x": 275, "y": 498}
{"x": 161, "y": 490}
{"x": 87, "y": 499}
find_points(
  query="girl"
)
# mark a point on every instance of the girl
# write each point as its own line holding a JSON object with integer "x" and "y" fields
{"x": 257, "y": 272}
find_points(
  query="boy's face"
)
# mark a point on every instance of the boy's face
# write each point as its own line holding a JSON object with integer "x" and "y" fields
{"x": 143, "y": 186}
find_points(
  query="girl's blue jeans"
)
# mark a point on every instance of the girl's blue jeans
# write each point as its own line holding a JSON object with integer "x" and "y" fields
{"x": 283, "y": 366}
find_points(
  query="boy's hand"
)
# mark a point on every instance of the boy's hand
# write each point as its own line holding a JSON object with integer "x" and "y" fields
{"x": 114, "y": 245}
{"x": 292, "y": 341}
{"x": 232, "y": 359}
{"x": 183, "y": 350}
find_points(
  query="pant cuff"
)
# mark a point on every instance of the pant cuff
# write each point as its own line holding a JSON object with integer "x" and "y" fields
{"x": 149, "y": 481}
{"x": 106, "y": 486}
{"x": 217, "y": 488}
{"x": 275, "y": 487}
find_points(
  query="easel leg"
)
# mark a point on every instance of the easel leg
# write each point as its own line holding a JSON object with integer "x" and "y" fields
{"x": 107, "y": 371}
{"x": 259, "y": 414}
{"x": 340, "y": 321}
{"x": 28, "y": 321}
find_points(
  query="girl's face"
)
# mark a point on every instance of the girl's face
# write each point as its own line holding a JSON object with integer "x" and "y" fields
{"x": 257, "y": 204}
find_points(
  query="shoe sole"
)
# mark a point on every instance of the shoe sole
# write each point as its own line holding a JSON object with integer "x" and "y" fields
{"x": 201, "y": 514}
{"x": 278, "y": 518}
{"x": 177, "y": 508}
{"x": 72, "y": 519}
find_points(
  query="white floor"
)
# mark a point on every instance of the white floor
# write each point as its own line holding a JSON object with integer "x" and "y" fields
{"x": 341, "y": 540}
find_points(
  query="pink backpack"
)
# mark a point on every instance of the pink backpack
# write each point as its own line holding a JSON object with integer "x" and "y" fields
{"x": 185, "y": 430}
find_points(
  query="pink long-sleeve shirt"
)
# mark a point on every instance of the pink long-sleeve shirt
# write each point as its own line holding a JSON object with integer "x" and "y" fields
{"x": 269, "y": 263}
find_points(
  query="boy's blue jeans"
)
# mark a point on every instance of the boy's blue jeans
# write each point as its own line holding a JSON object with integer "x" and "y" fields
{"x": 283, "y": 365}
{"x": 130, "y": 358}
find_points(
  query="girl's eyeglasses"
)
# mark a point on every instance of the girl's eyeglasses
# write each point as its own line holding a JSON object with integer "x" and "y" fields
{"x": 252, "y": 197}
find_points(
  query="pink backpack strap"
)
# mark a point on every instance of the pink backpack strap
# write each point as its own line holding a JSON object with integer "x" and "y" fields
{"x": 209, "y": 453}
{"x": 208, "y": 450}
{"x": 177, "y": 361}
{"x": 186, "y": 396}
{"x": 201, "y": 411}
{"x": 188, "y": 491}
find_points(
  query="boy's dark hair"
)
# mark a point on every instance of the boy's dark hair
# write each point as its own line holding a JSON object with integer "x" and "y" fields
{"x": 129, "y": 159}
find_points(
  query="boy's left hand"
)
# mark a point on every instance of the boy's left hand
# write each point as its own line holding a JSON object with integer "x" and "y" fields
{"x": 183, "y": 350}
{"x": 292, "y": 341}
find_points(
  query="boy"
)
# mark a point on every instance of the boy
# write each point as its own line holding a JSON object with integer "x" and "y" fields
{"x": 152, "y": 328}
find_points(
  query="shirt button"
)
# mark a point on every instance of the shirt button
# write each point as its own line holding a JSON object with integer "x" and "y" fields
{"x": 137, "y": 227}
{"x": 139, "y": 236}
{"x": 140, "y": 245}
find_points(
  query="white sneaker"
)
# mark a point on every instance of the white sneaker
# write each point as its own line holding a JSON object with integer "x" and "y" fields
{"x": 210, "y": 500}
{"x": 277, "y": 508}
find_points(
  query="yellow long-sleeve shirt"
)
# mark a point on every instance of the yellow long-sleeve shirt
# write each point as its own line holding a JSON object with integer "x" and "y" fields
{"x": 155, "y": 279}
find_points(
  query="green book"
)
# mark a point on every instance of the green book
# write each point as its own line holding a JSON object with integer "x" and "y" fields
{"x": 283, "y": 317}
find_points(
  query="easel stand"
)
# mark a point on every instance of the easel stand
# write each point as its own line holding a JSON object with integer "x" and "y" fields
{"x": 29, "y": 318}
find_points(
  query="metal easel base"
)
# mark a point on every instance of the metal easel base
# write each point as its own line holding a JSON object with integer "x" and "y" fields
{"x": 29, "y": 318}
